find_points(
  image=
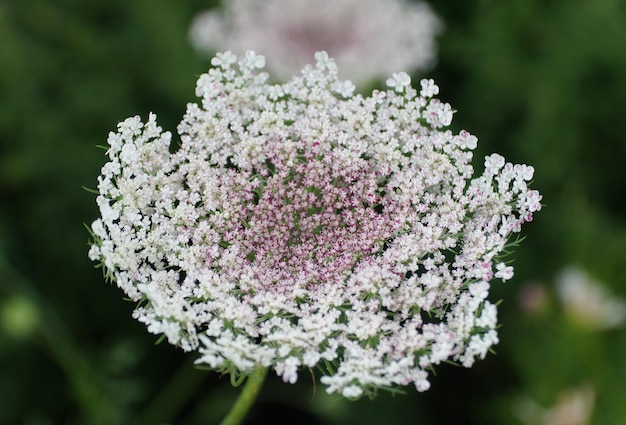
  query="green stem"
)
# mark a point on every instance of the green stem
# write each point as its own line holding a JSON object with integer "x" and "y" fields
{"x": 246, "y": 398}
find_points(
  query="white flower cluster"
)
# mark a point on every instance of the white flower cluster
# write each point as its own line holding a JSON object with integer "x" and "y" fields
{"x": 573, "y": 406}
{"x": 369, "y": 39}
{"x": 588, "y": 302}
{"x": 299, "y": 225}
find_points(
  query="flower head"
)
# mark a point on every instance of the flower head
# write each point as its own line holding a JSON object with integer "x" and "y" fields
{"x": 370, "y": 39}
{"x": 574, "y": 406}
{"x": 587, "y": 302}
{"x": 299, "y": 225}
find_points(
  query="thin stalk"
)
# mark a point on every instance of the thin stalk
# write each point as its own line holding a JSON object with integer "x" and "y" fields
{"x": 246, "y": 398}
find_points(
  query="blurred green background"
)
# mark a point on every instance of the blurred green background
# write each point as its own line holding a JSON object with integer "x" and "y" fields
{"x": 541, "y": 82}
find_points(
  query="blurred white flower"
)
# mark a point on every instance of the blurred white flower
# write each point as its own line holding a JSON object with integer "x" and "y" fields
{"x": 587, "y": 302}
{"x": 573, "y": 406}
{"x": 369, "y": 39}
{"x": 300, "y": 226}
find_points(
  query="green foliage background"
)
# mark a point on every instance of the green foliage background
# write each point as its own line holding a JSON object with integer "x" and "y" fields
{"x": 542, "y": 82}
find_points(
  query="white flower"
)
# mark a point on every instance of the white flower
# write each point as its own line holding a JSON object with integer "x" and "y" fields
{"x": 587, "y": 301}
{"x": 574, "y": 406}
{"x": 504, "y": 272}
{"x": 399, "y": 81}
{"x": 370, "y": 39}
{"x": 344, "y": 88}
{"x": 224, "y": 59}
{"x": 493, "y": 163}
{"x": 429, "y": 88}
{"x": 352, "y": 391}
{"x": 299, "y": 225}
{"x": 254, "y": 60}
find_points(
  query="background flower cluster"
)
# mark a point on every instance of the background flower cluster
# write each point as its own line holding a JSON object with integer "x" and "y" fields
{"x": 542, "y": 84}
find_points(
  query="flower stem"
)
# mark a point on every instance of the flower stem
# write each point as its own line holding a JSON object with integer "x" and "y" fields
{"x": 246, "y": 398}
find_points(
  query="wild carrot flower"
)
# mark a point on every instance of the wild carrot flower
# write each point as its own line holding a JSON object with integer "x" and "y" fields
{"x": 574, "y": 406}
{"x": 369, "y": 39}
{"x": 302, "y": 226}
{"x": 587, "y": 302}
